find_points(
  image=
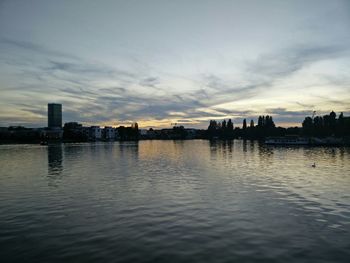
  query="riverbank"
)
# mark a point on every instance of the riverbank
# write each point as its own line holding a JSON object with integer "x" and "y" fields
{"x": 278, "y": 141}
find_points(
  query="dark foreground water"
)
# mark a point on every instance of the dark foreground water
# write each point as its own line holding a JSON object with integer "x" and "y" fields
{"x": 174, "y": 201}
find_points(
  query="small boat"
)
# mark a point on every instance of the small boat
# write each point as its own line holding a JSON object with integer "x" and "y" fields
{"x": 287, "y": 140}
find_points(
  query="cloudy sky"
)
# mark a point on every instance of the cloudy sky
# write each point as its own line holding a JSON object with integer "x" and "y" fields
{"x": 159, "y": 62}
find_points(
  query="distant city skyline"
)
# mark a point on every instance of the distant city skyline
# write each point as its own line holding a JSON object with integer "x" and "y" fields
{"x": 162, "y": 62}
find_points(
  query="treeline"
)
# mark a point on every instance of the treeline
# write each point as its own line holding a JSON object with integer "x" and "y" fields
{"x": 221, "y": 129}
{"x": 320, "y": 126}
{"x": 128, "y": 133}
{"x": 226, "y": 130}
{"x": 19, "y": 134}
{"x": 327, "y": 125}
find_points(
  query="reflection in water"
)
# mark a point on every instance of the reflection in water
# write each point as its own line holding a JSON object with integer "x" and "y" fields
{"x": 244, "y": 145}
{"x": 154, "y": 149}
{"x": 265, "y": 154}
{"x": 72, "y": 151}
{"x": 55, "y": 167}
{"x": 129, "y": 149}
{"x": 190, "y": 201}
{"x": 229, "y": 146}
{"x": 221, "y": 149}
{"x": 178, "y": 145}
{"x": 251, "y": 146}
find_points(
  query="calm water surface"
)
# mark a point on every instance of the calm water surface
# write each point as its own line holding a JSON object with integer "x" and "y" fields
{"x": 174, "y": 201}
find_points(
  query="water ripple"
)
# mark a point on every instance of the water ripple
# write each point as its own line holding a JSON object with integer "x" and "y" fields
{"x": 173, "y": 201}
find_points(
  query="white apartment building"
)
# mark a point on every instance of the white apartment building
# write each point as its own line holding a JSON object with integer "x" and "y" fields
{"x": 95, "y": 133}
{"x": 109, "y": 133}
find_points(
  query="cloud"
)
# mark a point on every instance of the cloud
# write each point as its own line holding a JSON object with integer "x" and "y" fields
{"x": 34, "y": 48}
{"x": 287, "y": 61}
{"x": 285, "y": 112}
{"x": 149, "y": 82}
{"x": 92, "y": 92}
{"x": 335, "y": 101}
{"x": 305, "y": 105}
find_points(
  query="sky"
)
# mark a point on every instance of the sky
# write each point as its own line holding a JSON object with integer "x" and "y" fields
{"x": 160, "y": 62}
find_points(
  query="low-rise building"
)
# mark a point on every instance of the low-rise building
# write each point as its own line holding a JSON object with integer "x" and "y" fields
{"x": 95, "y": 133}
{"x": 116, "y": 134}
{"x": 85, "y": 131}
{"x": 109, "y": 133}
{"x": 52, "y": 133}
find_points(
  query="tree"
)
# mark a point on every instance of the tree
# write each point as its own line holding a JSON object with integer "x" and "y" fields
{"x": 135, "y": 126}
{"x": 318, "y": 125}
{"x": 269, "y": 122}
{"x": 340, "y": 127}
{"x": 212, "y": 125}
{"x": 244, "y": 124}
{"x": 212, "y": 128}
{"x": 332, "y": 121}
{"x": 230, "y": 125}
{"x": 223, "y": 125}
{"x": 333, "y": 115}
{"x": 308, "y": 126}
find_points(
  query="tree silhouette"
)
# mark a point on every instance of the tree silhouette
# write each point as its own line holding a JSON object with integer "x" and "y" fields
{"x": 223, "y": 125}
{"x": 327, "y": 125}
{"x": 230, "y": 125}
{"x": 244, "y": 124}
{"x": 319, "y": 126}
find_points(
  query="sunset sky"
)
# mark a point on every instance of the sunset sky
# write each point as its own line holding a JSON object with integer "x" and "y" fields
{"x": 162, "y": 62}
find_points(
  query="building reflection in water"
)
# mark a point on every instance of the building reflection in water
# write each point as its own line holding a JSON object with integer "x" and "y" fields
{"x": 130, "y": 149}
{"x": 55, "y": 166}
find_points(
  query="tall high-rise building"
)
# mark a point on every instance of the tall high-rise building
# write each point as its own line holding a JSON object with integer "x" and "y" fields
{"x": 54, "y": 115}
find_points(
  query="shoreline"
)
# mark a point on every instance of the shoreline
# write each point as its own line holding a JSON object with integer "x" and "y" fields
{"x": 56, "y": 142}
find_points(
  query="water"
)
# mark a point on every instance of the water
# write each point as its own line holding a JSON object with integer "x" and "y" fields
{"x": 174, "y": 201}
